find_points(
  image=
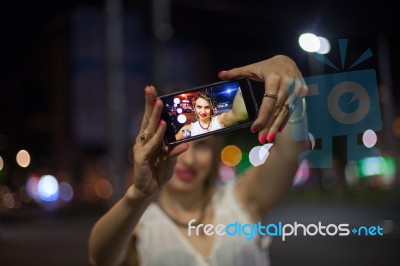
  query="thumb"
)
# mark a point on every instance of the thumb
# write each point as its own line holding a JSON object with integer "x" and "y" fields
{"x": 244, "y": 71}
{"x": 178, "y": 149}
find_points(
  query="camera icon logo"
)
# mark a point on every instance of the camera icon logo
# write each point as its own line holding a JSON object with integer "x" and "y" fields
{"x": 359, "y": 95}
{"x": 342, "y": 104}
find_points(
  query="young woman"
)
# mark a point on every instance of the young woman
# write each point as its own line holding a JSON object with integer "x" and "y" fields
{"x": 206, "y": 119}
{"x": 174, "y": 189}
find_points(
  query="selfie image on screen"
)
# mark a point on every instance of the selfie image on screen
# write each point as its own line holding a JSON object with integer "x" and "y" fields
{"x": 206, "y": 110}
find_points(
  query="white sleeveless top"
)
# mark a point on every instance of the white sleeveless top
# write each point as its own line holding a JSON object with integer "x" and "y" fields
{"x": 196, "y": 129}
{"x": 160, "y": 243}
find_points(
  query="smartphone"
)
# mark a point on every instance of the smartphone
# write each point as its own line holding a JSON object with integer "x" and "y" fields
{"x": 209, "y": 109}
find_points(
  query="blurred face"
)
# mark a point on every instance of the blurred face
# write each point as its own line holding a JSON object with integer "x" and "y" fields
{"x": 203, "y": 108}
{"x": 192, "y": 167}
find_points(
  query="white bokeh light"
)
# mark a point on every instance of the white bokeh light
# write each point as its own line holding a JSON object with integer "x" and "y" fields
{"x": 259, "y": 154}
{"x": 181, "y": 118}
{"x": 177, "y": 100}
{"x": 254, "y": 156}
{"x": 325, "y": 46}
{"x": 369, "y": 138}
{"x": 309, "y": 42}
{"x": 48, "y": 188}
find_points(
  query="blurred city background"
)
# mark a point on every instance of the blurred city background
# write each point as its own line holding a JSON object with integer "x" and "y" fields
{"x": 71, "y": 102}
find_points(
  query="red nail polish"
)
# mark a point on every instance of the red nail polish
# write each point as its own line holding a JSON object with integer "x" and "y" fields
{"x": 253, "y": 130}
{"x": 263, "y": 139}
{"x": 161, "y": 123}
{"x": 220, "y": 73}
{"x": 270, "y": 137}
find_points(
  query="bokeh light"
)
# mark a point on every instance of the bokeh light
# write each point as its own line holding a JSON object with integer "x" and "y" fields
{"x": 226, "y": 173}
{"x": 369, "y": 138}
{"x": 32, "y": 187}
{"x": 1, "y": 163}
{"x": 396, "y": 127}
{"x": 179, "y": 110}
{"x": 309, "y": 42}
{"x": 181, "y": 118}
{"x": 23, "y": 158}
{"x": 259, "y": 154}
{"x": 325, "y": 46}
{"x": 254, "y": 156}
{"x": 177, "y": 100}
{"x": 48, "y": 188}
{"x": 66, "y": 191}
{"x": 244, "y": 163}
{"x": 103, "y": 189}
{"x": 371, "y": 166}
{"x": 231, "y": 155}
{"x": 8, "y": 200}
{"x": 303, "y": 173}
{"x": 4, "y": 190}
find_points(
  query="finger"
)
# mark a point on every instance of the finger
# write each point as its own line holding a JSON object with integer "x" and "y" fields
{"x": 268, "y": 133}
{"x": 154, "y": 121}
{"x": 280, "y": 120}
{"x": 263, "y": 134}
{"x": 269, "y": 105}
{"x": 294, "y": 99}
{"x": 156, "y": 140}
{"x": 174, "y": 151}
{"x": 244, "y": 71}
{"x": 150, "y": 96}
{"x": 283, "y": 125}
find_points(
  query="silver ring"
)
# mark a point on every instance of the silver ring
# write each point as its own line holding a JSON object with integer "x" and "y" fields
{"x": 271, "y": 95}
{"x": 290, "y": 107}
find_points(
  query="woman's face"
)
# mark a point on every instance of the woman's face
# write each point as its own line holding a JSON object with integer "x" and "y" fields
{"x": 203, "y": 108}
{"x": 193, "y": 167}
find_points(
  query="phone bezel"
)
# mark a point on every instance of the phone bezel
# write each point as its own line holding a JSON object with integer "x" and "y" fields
{"x": 249, "y": 100}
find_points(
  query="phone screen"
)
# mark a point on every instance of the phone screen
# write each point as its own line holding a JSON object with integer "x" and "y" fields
{"x": 209, "y": 109}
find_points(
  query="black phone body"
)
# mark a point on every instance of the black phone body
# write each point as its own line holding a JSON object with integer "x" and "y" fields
{"x": 182, "y": 113}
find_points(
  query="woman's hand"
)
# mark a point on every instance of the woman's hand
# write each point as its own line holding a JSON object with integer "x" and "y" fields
{"x": 153, "y": 161}
{"x": 284, "y": 85}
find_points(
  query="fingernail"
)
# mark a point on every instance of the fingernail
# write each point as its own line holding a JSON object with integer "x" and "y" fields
{"x": 253, "y": 130}
{"x": 221, "y": 73}
{"x": 263, "y": 139}
{"x": 270, "y": 137}
{"x": 161, "y": 123}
